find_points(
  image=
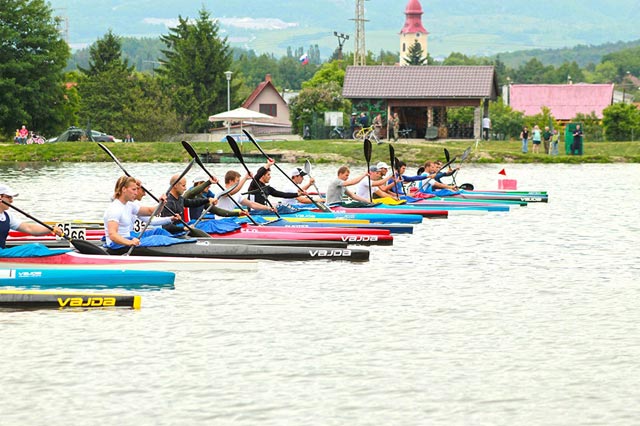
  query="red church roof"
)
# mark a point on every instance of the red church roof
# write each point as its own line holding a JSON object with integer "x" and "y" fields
{"x": 564, "y": 100}
{"x": 413, "y": 21}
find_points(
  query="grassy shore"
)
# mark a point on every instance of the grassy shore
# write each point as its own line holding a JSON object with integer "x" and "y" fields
{"x": 323, "y": 151}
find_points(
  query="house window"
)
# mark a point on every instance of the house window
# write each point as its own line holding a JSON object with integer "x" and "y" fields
{"x": 403, "y": 47}
{"x": 269, "y": 109}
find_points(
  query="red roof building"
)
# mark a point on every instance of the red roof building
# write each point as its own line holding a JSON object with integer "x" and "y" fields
{"x": 564, "y": 100}
{"x": 267, "y": 100}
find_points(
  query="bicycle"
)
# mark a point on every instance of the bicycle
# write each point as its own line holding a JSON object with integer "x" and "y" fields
{"x": 337, "y": 133}
{"x": 366, "y": 133}
{"x": 35, "y": 139}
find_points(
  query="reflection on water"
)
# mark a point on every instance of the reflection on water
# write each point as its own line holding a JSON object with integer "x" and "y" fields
{"x": 525, "y": 317}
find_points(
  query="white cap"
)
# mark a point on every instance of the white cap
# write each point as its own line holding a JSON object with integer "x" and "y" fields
{"x": 297, "y": 172}
{"x": 382, "y": 165}
{"x": 6, "y": 190}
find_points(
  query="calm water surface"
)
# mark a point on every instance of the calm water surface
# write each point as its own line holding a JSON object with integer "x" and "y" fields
{"x": 527, "y": 317}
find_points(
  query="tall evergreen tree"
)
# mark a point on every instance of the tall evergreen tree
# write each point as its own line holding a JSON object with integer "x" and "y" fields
{"x": 196, "y": 59}
{"x": 415, "y": 55}
{"x": 32, "y": 60}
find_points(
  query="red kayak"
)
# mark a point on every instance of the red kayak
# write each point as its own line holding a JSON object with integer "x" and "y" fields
{"x": 367, "y": 237}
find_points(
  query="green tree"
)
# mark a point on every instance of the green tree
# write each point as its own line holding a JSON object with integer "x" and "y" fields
{"x": 621, "y": 122}
{"x": 591, "y": 126}
{"x": 329, "y": 71}
{"x": 415, "y": 55}
{"x": 197, "y": 58}
{"x": 505, "y": 122}
{"x": 106, "y": 87}
{"x": 308, "y": 107}
{"x": 32, "y": 60}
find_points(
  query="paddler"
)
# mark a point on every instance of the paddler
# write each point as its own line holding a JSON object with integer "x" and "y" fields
{"x": 378, "y": 186}
{"x": 201, "y": 189}
{"x": 401, "y": 168}
{"x": 176, "y": 203}
{"x": 260, "y": 190}
{"x": 297, "y": 176}
{"x": 232, "y": 178}
{"x": 338, "y": 187}
{"x": 430, "y": 185}
{"x": 9, "y": 221}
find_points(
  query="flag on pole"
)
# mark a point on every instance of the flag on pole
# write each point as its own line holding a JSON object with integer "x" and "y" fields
{"x": 502, "y": 172}
{"x": 304, "y": 59}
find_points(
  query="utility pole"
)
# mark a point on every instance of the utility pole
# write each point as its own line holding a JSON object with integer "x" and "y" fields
{"x": 360, "y": 53}
{"x": 63, "y": 24}
{"x": 341, "y": 40}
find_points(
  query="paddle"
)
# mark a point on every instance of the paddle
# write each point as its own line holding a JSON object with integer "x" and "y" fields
{"x": 463, "y": 157}
{"x": 367, "y": 157}
{"x": 319, "y": 205}
{"x": 236, "y": 151}
{"x": 447, "y": 164}
{"x": 192, "y": 152}
{"x": 193, "y": 231}
{"x": 83, "y": 246}
{"x": 160, "y": 206}
{"x": 307, "y": 170}
{"x": 222, "y": 194}
{"x": 394, "y": 165}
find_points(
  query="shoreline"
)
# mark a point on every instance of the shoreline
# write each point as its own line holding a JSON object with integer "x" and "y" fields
{"x": 349, "y": 152}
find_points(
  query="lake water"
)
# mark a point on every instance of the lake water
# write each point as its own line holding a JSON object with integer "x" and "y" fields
{"x": 522, "y": 318}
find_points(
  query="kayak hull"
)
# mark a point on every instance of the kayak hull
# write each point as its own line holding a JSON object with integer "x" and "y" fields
{"x": 84, "y": 278}
{"x": 13, "y": 299}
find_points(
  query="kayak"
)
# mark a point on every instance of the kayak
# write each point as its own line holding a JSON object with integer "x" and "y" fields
{"x": 529, "y": 197}
{"x": 392, "y": 210}
{"x": 253, "y": 235}
{"x": 85, "y": 278}
{"x": 371, "y": 217}
{"x": 393, "y": 228}
{"x": 74, "y": 259}
{"x": 15, "y": 299}
{"x": 338, "y": 236}
{"x": 204, "y": 249}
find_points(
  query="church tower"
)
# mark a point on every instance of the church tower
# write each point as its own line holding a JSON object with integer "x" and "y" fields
{"x": 413, "y": 31}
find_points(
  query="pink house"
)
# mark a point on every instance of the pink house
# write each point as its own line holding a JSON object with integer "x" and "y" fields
{"x": 267, "y": 100}
{"x": 564, "y": 100}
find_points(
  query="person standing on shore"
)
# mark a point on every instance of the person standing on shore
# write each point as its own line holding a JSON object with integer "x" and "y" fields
{"x": 554, "y": 142}
{"x": 546, "y": 137}
{"x": 577, "y": 141}
{"x": 395, "y": 121}
{"x": 537, "y": 139}
{"x": 486, "y": 128}
{"x": 524, "y": 136}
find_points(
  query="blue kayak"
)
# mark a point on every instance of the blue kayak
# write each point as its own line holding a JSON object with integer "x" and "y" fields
{"x": 85, "y": 278}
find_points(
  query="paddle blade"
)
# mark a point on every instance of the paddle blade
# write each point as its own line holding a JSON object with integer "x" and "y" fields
{"x": 396, "y": 161}
{"x": 86, "y": 247}
{"x": 446, "y": 154}
{"x": 392, "y": 156}
{"x": 420, "y": 170}
{"x": 467, "y": 187}
{"x": 367, "y": 150}
{"x": 307, "y": 167}
{"x": 235, "y": 148}
{"x": 465, "y": 154}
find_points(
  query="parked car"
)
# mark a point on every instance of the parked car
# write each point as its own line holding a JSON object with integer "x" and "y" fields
{"x": 75, "y": 134}
{"x": 103, "y": 137}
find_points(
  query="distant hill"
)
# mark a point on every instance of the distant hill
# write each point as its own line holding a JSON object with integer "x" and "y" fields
{"x": 581, "y": 54}
{"x": 470, "y": 27}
